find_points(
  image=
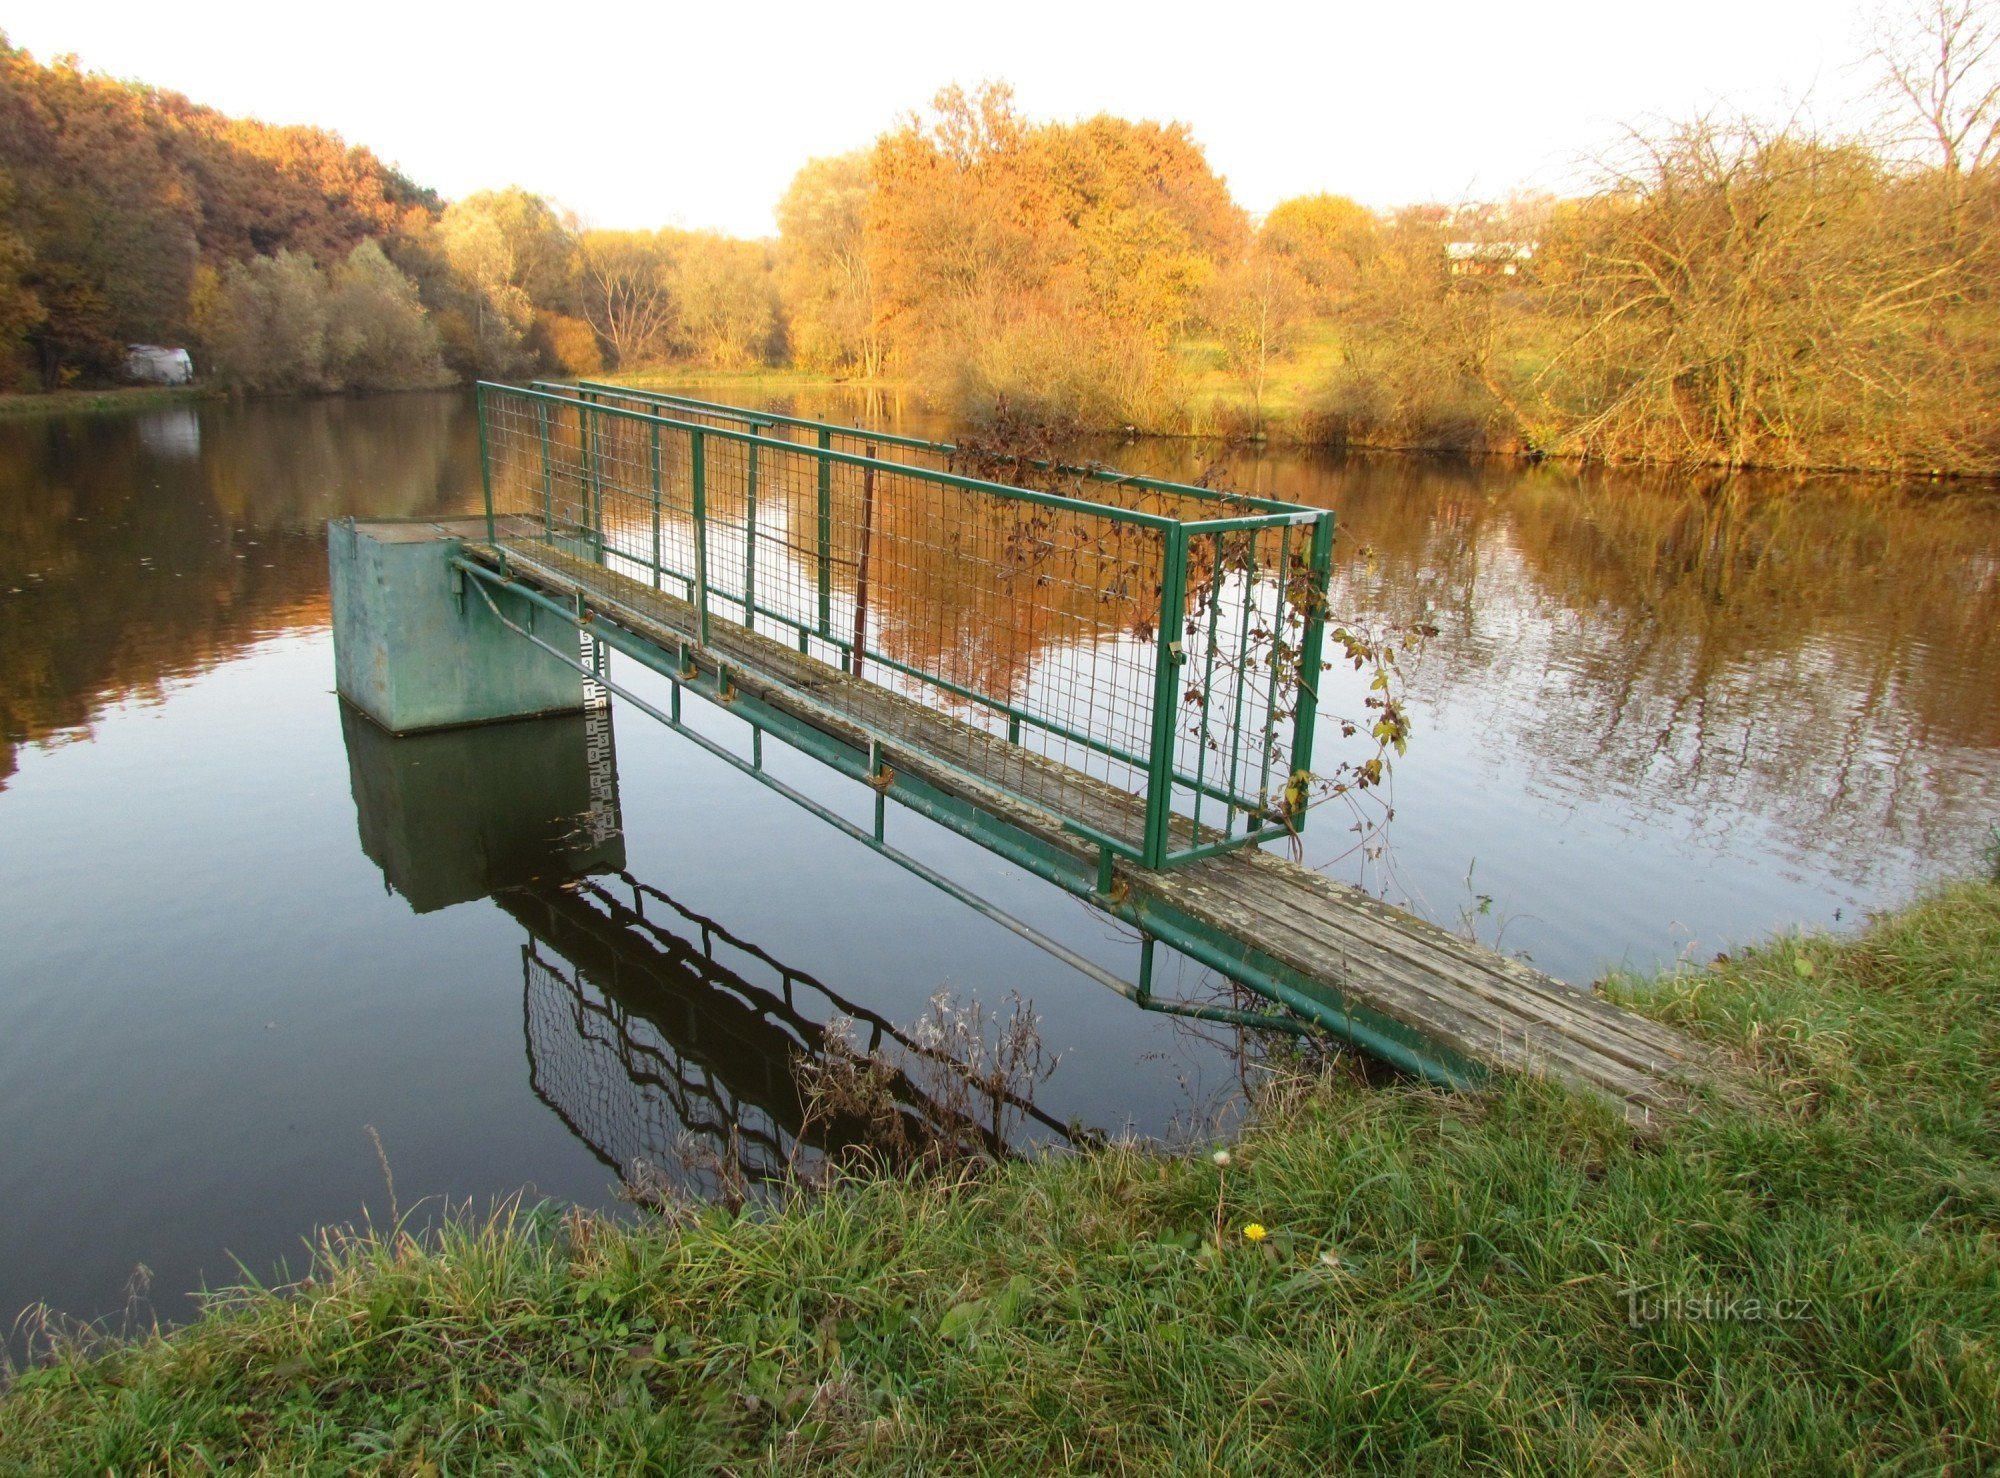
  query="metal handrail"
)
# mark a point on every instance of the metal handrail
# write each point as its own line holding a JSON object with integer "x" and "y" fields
{"x": 941, "y": 448}
{"x": 570, "y": 443}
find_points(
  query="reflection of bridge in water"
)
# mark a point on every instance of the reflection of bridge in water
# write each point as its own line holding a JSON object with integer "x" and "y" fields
{"x": 668, "y": 1044}
{"x": 662, "y": 1039}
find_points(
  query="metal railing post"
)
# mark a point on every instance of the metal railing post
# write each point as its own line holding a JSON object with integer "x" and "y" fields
{"x": 593, "y": 509}
{"x": 1166, "y": 693}
{"x": 653, "y": 461}
{"x": 825, "y": 535}
{"x": 699, "y": 496}
{"x": 548, "y": 472}
{"x": 1312, "y": 651}
{"x": 1234, "y": 785}
{"x": 485, "y": 460}
{"x": 750, "y": 529}
{"x": 1207, "y": 684}
{"x": 861, "y": 571}
{"x": 1273, "y": 696}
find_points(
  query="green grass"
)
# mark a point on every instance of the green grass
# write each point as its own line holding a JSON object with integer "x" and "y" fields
{"x": 1221, "y": 397}
{"x": 1449, "y": 1284}
{"x": 68, "y": 402}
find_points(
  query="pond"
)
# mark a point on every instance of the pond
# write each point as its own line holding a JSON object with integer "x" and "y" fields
{"x": 247, "y": 937}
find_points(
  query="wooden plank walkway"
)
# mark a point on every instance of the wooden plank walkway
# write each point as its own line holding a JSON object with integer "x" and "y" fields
{"x": 1362, "y": 954}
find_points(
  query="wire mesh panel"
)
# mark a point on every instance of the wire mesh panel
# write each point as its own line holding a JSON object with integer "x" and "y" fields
{"x": 1146, "y": 635}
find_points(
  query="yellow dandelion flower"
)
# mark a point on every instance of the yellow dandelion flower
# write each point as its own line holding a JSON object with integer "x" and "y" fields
{"x": 1255, "y": 1232}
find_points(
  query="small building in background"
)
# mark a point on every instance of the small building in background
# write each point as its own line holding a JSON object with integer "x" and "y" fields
{"x": 155, "y": 364}
{"x": 1489, "y": 258}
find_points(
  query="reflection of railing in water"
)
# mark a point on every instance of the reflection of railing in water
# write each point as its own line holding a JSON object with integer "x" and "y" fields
{"x": 1150, "y": 634}
{"x": 649, "y": 1037}
{"x": 601, "y": 822}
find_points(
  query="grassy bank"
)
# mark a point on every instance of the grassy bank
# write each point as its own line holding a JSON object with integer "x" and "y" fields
{"x": 1807, "y": 1283}
{"x": 129, "y": 398}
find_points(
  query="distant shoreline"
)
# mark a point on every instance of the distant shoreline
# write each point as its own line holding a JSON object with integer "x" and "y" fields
{"x": 1279, "y": 431}
{"x": 123, "y": 398}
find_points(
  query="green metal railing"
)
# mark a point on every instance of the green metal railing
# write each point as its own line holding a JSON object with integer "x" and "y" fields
{"x": 1162, "y": 638}
{"x": 1088, "y": 480}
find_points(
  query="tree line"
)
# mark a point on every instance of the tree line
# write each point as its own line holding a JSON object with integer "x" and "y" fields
{"x": 1729, "y": 291}
{"x": 291, "y": 261}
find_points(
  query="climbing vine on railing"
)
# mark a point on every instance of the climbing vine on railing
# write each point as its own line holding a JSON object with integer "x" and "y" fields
{"x": 1028, "y": 454}
{"x": 1275, "y": 651}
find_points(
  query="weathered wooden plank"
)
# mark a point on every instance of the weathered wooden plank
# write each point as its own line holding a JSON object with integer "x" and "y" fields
{"x": 1320, "y": 943}
{"x": 1547, "y": 1003}
{"x": 1487, "y": 963}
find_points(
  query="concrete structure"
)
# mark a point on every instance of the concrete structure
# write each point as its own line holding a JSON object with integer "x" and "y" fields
{"x": 412, "y": 652}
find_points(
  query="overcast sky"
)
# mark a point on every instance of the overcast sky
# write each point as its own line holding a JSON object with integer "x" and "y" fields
{"x": 697, "y": 115}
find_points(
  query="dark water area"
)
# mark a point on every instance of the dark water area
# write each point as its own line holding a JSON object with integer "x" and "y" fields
{"x": 239, "y": 928}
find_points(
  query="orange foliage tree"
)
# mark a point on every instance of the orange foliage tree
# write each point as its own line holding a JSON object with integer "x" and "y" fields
{"x": 1047, "y": 266}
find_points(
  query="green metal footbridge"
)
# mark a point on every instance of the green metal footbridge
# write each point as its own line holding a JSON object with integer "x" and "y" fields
{"x": 1108, "y": 680}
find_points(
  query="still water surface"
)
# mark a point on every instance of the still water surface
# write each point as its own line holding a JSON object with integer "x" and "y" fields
{"x": 238, "y": 928}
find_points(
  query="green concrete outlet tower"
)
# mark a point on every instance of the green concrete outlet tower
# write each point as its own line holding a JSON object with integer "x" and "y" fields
{"x": 412, "y": 652}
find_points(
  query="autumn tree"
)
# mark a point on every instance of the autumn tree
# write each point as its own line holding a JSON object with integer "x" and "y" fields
{"x": 1940, "y": 64}
{"x": 627, "y": 293}
{"x": 1257, "y": 307}
{"x": 474, "y": 342}
{"x": 726, "y": 300}
{"x": 825, "y": 278}
{"x": 1152, "y": 223}
{"x": 1420, "y": 346}
{"x": 1046, "y": 266}
{"x": 1327, "y": 241}
{"x": 120, "y": 193}
{"x": 518, "y": 258}
{"x": 265, "y": 186}
{"x": 1752, "y": 295}
{"x": 278, "y": 323}
{"x": 378, "y": 336}
{"x": 974, "y": 268}
{"x": 567, "y": 344}
{"x": 512, "y": 243}
{"x": 109, "y": 222}
{"x": 263, "y": 323}
{"x": 960, "y": 223}
{"x": 21, "y": 310}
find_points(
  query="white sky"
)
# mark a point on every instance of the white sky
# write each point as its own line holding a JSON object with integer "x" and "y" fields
{"x": 698, "y": 114}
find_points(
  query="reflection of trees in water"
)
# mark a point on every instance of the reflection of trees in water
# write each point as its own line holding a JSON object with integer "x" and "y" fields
{"x": 296, "y": 464}
{"x": 135, "y": 568}
{"x": 1829, "y": 662}
{"x": 1820, "y": 655}
{"x": 1823, "y": 657}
